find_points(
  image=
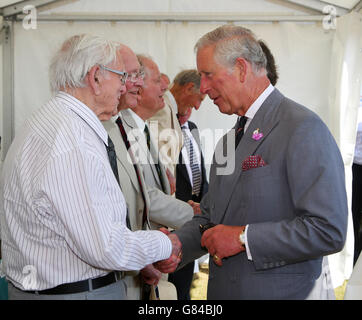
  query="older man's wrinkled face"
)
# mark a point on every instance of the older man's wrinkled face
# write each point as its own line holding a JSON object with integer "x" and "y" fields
{"x": 134, "y": 82}
{"x": 153, "y": 89}
{"x": 218, "y": 82}
{"x": 111, "y": 89}
{"x": 192, "y": 99}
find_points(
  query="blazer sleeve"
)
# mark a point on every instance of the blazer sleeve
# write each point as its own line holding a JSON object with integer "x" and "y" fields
{"x": 167, "y": 210}
{"x": 317, "y": 224}
{"x": 190, "y": 235}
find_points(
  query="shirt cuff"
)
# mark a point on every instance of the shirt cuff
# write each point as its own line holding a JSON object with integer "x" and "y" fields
{"x": 165, "y": 245}
{"x": 246, "y": 244}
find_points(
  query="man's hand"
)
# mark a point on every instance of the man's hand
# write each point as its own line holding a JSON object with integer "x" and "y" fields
{"x": 169, "y": 265}
{"x": 171, "y": 181}
{"x": 195, "y": 206}
{"x": 222, "y": 241}
{"x": 151, "y": 275}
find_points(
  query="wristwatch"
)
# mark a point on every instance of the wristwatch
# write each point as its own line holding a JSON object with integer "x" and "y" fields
{"x": 242, "y": 238}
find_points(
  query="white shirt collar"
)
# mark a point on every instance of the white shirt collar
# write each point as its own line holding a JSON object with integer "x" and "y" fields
{"x": 139, "y": 121}
{"x": 85, "y": 113}
{"x": 186, "y": 125}
{"x": 258, "y": 102}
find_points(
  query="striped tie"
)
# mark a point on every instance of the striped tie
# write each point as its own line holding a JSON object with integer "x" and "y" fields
{"x": 196, "y": 174}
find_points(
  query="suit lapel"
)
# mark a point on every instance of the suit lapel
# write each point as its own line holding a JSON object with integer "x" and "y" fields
{"x": 130, "y": 125}
{"x": 176, "y": 126}
{"x": 183, "y": 169}
{"x": 124, "y": 158}
{"x": 164, "y": 178}
{"x": 266, "y": 119}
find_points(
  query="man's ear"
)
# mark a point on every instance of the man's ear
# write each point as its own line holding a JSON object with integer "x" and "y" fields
{"x": 189, "y": 88}
{"x": 94, "y": 78}
{"x": 242, "y": 67}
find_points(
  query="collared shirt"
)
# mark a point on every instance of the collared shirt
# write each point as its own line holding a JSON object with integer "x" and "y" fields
{"x": 63, "y": 215}
{"x": 144, "y": 157}
{"x": 250, "y": 114}
{"x": 196, "y": 150}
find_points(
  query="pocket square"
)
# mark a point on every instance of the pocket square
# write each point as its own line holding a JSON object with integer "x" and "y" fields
{"x": 252, "y": 162}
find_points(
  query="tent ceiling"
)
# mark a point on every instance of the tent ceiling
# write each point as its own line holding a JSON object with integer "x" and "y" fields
{"x": 10, "y": 8}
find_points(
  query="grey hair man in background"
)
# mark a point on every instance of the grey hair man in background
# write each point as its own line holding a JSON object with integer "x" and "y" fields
{"x": 183, "y": 95}
{"x": 63, "y": 216}
{"x": 268, "y": 223}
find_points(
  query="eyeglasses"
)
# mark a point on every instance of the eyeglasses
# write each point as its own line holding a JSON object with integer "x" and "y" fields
{"x": 123, "y": 75}
{"x": 135, "y": 76}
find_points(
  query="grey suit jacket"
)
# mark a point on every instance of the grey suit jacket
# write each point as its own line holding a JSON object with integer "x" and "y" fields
{"x": 295, "y": 205}
{"x": 164, "y": 210}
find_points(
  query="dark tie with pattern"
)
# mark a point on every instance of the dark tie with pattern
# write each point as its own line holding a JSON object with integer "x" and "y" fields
{"x": 113, "y": 161}
{"x": 158, "y": 169}
{"x": 138, "y": 174}
{"x": 194, "y": 165}
{"x": 239, "y": 130}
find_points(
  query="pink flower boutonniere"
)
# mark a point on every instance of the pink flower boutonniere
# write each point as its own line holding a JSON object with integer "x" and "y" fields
{"x": 257, "y": 135}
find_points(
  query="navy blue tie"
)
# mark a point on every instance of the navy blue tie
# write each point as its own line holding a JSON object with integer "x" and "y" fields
{"x": 239, "y": 130}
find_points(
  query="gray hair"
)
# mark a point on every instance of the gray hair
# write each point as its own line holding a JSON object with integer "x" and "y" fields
{"x": 76, "y": 57}
{"x": 188, "y": 76}
{"x": 232, "y": 42}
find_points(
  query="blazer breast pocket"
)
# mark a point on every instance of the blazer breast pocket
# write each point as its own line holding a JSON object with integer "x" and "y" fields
{"x": 256, "y": 173}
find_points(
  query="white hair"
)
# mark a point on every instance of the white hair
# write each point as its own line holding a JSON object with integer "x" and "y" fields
{"x": 76, "y": 57}
{"x": 232, "y": 42}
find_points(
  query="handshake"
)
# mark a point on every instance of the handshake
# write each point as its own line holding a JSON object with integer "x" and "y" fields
{"x": 220, "y": 241}
{"x": 169, "y": 265}
{"x": 152, "y": 273}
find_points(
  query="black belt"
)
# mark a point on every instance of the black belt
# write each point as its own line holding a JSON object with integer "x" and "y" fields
{"x": 82, "y": 286}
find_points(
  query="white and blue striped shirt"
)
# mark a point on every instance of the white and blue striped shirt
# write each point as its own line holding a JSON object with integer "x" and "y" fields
{"x": 62, "y": 213}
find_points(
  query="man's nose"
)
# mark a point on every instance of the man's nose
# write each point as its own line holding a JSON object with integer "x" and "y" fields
{"x": 203, "y": 86}
{"x": 197, "y": 105}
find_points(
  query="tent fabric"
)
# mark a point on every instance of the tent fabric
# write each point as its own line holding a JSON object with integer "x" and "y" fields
{"x": 301, "y": 51}
{"x": 344, "y": 96}
{"x": 156, "y": 6}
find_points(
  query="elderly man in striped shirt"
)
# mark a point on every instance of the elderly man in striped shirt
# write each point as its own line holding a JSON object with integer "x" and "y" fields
{"x": 63, "y": 215}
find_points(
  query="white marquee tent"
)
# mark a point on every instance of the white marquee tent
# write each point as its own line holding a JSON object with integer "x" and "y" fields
{"x": 317, "y": 46}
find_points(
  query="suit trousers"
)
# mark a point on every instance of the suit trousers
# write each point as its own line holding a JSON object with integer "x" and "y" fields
{"x": 114, "y": 291}
{"x": 357, "y": 208}
{"x": 182, "y": 280}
